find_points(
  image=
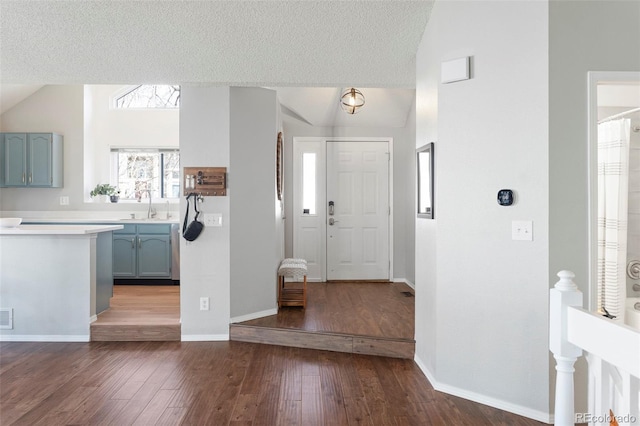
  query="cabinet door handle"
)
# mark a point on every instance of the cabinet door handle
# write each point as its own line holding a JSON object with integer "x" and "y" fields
{"x": 30, "y": 177}
{"x": 23, "y": 175}
{"x": 139, "y": 243}
{"x": 133, "y": 244}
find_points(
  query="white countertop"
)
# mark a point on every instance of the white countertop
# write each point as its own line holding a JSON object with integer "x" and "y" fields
{"x": 101, "y": 221}
{"x": 58, "y": 229}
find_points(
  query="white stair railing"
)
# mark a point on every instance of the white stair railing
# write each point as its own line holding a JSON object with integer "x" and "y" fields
{"x": 613, "y": 355}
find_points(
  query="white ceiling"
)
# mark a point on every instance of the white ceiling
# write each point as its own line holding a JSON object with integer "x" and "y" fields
{"x": 619, "y": 95}
{"x": 616, "y": 98}
{"x": 309, "y": 50}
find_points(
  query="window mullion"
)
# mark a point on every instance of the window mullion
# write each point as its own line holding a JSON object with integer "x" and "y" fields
{"x": 161, "y": 175}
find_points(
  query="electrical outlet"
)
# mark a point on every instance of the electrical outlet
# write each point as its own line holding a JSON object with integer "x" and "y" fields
{"x": 204, "y": 303}
{"x": 522, "y": 230}
{"x": 212, "y": 219}
{"x": 64, "y": 200}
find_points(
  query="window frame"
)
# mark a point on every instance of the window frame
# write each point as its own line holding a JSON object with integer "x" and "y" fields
{"x": 128, "y": 89}
{"x": 114, "y": 167}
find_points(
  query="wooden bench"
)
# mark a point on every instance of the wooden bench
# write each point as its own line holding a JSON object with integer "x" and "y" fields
{"x": 288, "y": 294}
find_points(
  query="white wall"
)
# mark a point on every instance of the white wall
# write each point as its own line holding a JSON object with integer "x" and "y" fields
{"x": 255, "y": 244}
{"x": 584, "y": 36}
{"x": 61, "y": 109}
{"x": 234, "y": 265}
{"x": 56, "y": 109}
{"x": 405, "y": 181}
{"x": 205, "y": 263}
{"x": 575, "y": 50}
{"x": 107, "y": 127}
{"x": 205, "y": 135}
{"x": 55, "y": 300}
{"x": 403, "y": 177}
{"x": 481, "y": 298}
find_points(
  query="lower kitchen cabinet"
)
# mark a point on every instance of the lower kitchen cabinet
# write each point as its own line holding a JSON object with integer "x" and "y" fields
{"x": 154, "y": 256}
{"x": 125, "y": 255}
{"x": 142, "y": 251}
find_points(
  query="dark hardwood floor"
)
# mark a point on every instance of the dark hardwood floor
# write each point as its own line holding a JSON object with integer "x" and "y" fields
{"x": 366, "y": 309}
{"x": 221, "y": 383}
{"x": 372, "y": 318}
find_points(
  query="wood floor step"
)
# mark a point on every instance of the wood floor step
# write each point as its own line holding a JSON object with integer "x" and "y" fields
{"x": 337, "y": 342}
{"x": 135, "y": 332}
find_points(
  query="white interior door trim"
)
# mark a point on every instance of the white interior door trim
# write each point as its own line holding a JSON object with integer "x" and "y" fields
{"x": 309, "y": 231}
{"x": 318, "y": 223}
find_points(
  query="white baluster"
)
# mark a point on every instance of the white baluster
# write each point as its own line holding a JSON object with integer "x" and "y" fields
{"x": 564, "y": 294}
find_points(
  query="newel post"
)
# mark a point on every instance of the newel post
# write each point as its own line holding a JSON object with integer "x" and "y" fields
{"x": 564, "y": 294}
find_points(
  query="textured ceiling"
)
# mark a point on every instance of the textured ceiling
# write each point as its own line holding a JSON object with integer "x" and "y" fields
{"x": 319, "y": 106}
{"x": 241, "y": 43}
{"x": 307, "y": 50}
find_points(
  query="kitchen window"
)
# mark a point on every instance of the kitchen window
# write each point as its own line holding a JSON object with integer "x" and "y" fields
{"x": 137, "y": 171}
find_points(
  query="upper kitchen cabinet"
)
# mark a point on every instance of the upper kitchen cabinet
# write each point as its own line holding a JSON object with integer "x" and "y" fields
{"x": 31, "y": 160}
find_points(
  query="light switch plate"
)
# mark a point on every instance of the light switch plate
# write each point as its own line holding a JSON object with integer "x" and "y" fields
{"x": 522, "y": 230}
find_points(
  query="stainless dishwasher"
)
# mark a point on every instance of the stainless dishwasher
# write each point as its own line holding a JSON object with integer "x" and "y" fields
{"x": 175, "y": 251}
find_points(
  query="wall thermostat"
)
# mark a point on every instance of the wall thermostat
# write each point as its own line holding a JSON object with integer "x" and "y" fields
{"x": 505, "y": 197}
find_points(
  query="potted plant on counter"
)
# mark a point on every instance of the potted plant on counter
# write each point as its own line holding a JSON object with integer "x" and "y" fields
{"x": 106, "y": 191}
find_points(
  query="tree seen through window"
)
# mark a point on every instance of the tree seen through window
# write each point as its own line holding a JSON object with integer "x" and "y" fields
{"x": 140, "y": 171}
{"x": 150, "y": 96}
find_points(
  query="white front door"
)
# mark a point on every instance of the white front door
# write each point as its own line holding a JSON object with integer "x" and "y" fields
{"x": 357, "y": 210}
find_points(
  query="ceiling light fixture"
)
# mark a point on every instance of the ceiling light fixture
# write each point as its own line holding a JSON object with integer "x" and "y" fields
{"x": 352, "y": 100}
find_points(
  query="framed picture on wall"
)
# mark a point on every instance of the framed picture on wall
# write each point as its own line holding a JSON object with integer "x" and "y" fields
{"x": 424, "y": 185}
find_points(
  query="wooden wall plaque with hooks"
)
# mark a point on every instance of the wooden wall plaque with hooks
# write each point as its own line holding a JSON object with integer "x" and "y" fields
{"x": 206, "y": 181}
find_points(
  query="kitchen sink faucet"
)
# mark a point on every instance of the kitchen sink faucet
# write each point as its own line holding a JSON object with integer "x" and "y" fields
{"x": 151, "y": 212}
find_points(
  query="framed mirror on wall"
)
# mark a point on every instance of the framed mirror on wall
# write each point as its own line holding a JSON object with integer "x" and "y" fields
{"x": 279, "y": 166}
{"x": 424, "y": 186}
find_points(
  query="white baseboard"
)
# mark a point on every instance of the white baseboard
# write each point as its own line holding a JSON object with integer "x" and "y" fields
{"x": 204, "y": 337}
{"x": 45, "y": 338}
{"x": 93, "y": 319}
{"x": 483, "y": 399}
{"x": 406, "y": 281}
{"x": 254, "y": 315}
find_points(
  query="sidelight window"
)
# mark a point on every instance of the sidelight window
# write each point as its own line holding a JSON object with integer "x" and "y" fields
{"x": 309, "y": 183}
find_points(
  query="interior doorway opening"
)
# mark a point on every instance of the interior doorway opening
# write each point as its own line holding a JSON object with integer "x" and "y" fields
{"x": 614, "y": 167}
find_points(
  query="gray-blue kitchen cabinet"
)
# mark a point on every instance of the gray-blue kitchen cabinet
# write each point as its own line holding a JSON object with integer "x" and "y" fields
{"x": 125, "y": 252}
{"x": 31, "y": 160}
{"x": 142, "y": 251}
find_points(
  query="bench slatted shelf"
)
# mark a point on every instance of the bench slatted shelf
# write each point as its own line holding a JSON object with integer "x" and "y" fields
{"x": 290, "y": 294}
